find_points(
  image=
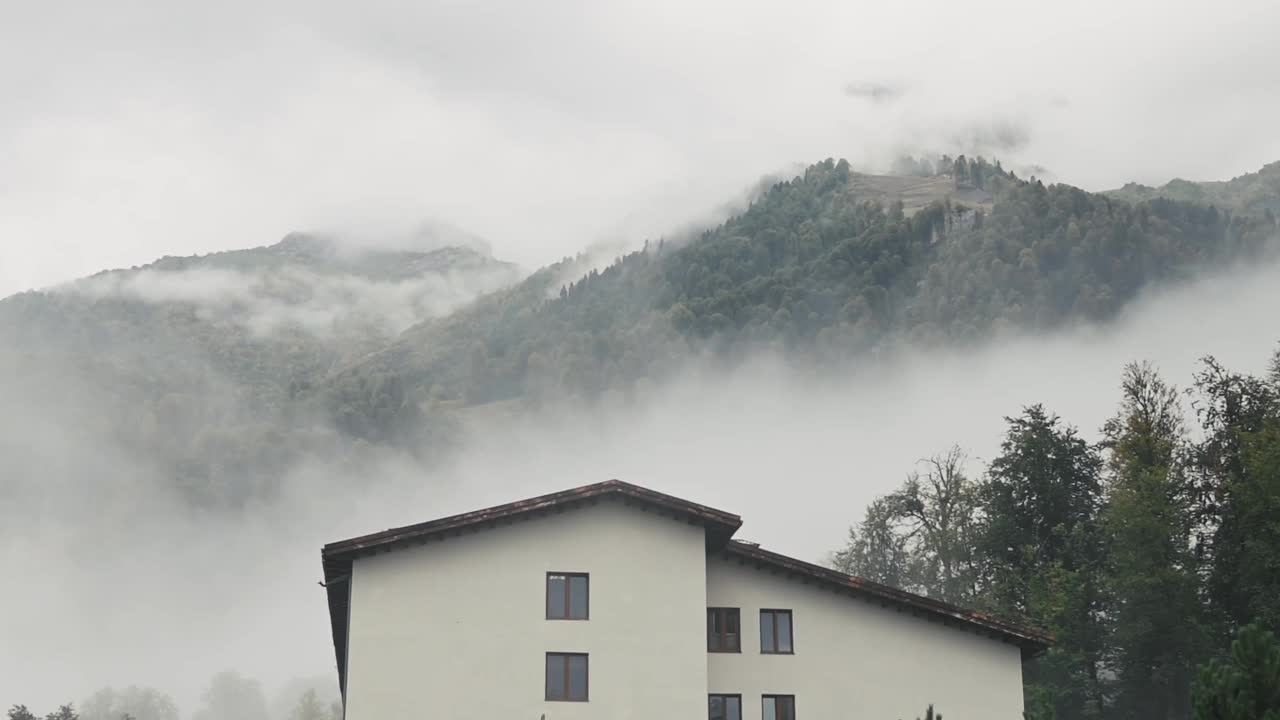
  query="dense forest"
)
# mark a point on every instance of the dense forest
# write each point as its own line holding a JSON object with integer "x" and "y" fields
{"x": 223, "y": 371}
{"x": 1257, "y": 192}
{"x": 812, "y": 269}
{"x": 1142, "y": 553}
{"x": 196, "y": 366}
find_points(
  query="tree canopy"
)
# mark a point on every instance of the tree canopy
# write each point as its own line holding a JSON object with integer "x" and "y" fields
{"x": 1142, "y": 553}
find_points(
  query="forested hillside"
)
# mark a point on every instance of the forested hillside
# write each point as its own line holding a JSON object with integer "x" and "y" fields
{"x": 814, "y": 269}
{"x": 1142, "y": 553}
{"x": 1257, "y": 192}
{"x": 220, "y": 371}
{"x": 217, "y": 376}
{"x": 195, "y": 365}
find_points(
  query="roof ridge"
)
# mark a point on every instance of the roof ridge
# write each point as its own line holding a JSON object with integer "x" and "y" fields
{"x": 337, "y": 557}
{"x": 532, "y": 504}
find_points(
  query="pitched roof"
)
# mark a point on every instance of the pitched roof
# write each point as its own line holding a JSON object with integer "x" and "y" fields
{"x": 1032, "y": 642}
{"x": 337, "y": 558}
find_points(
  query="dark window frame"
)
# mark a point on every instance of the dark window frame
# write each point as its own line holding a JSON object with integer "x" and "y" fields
{"x": 586, "y": 676}
{"x": 568, "y": 595}
{"x": 791, "y": 625}
{"x": 725, "y": 696}
{"x": 724, "y": 613}
{"x": 776, "y": 715}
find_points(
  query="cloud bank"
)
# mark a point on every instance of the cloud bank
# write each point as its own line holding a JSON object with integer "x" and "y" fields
{"x": 266, "y": 301}
{"x": 171, "y": 127}
{"x": 124, "y": 584}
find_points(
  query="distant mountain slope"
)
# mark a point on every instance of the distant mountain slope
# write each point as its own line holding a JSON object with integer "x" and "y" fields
{"x": 198, "y": 363}
{"x": 264, "y": 317}
{"x": 829, "y": 265}
{"x": 220, "y": 372}
{"x": 1257, "y": 192}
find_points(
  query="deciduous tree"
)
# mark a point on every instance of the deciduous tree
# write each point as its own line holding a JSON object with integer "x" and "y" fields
{"x": 1156, "y": 630}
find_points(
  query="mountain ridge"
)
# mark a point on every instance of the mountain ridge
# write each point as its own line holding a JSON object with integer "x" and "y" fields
{"x": 786, "y": 257}
{"x": 1257, "y": 191}
{"x": 226, "y": 369}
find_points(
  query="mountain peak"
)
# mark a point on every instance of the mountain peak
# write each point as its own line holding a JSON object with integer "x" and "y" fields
{"x": 307, "y": 245}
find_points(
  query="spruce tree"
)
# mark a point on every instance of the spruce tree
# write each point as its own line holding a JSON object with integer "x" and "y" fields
{"x": 1245, "y": 686}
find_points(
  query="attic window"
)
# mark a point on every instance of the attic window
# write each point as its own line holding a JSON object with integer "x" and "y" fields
{"x": 568, "y": 596}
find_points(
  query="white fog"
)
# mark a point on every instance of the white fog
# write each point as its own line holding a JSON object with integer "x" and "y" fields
{"x": 505, "y": 136}
{"x": 129, "y": 587}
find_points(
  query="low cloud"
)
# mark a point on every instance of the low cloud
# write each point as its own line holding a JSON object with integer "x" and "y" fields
{"x": 169, "y": 128}
{"x": 998, "y": 137}
{"x": 325, "y": 305}
{"x": 132, "y": 586}
{"x": 875, "y": 92}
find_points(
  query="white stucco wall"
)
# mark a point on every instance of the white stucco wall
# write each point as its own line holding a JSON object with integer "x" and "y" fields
{"x": 854, "y": 660}
{"x": 456, "y": 628}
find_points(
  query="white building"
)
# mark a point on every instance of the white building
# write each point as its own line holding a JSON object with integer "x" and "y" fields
{"x": 614, "y": 602}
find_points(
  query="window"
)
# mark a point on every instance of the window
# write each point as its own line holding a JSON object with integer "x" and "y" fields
{"x": 724, "y": 707}
{"x": 775, "y": 632}
{"x": 567, "y": 596}
{"x": 567, "y": 677}
{"x": 723, "y": 633}
{"x": 779, "y": 707}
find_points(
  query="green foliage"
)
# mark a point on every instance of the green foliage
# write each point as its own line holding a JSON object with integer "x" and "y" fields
{"x": 138, "y": 703}
{"x": 1245, "y": 686}
{"x": 309, "y": 707}
{"x": 921, "y": 538}
{"x": 1257, "y": 192}
{"x": 1042, "y": 548}
{"x": 1041, "y": 499}
{"x": 825, "y": 267}
{"x": 1135, "y": 553}
{"x": 215, "y": 395}
{"x": 64, "y": 712}
{"x": 231, "y": 696}
{"x": 1237, "y": 473}
{"x": 1156, "y": 625}
{"x": 877, "y": 551}
{"x": 910, "y": 166}
{"x": 1039, "y": 703}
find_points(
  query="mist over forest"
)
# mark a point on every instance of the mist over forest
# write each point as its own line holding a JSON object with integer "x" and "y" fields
{"x": 274, "y": 276}
{"x": 185, "y": 435}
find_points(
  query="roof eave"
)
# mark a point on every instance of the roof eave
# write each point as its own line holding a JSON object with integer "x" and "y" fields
{"x": 1032, "y": 643}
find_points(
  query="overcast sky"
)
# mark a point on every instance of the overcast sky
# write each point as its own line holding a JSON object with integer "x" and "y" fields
{"x": 135, "y": 129}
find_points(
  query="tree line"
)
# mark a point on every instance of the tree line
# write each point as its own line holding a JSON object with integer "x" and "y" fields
{"x": 229, "y": 696}
{"x": 816, "y": 268}
{"x": 812, "y": 269}
{"x": 1143, "y": 552}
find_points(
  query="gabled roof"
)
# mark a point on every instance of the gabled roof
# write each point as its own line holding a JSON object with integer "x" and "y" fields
{"x": 337, "y": 558}
{"x": 1031, "y": 642}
